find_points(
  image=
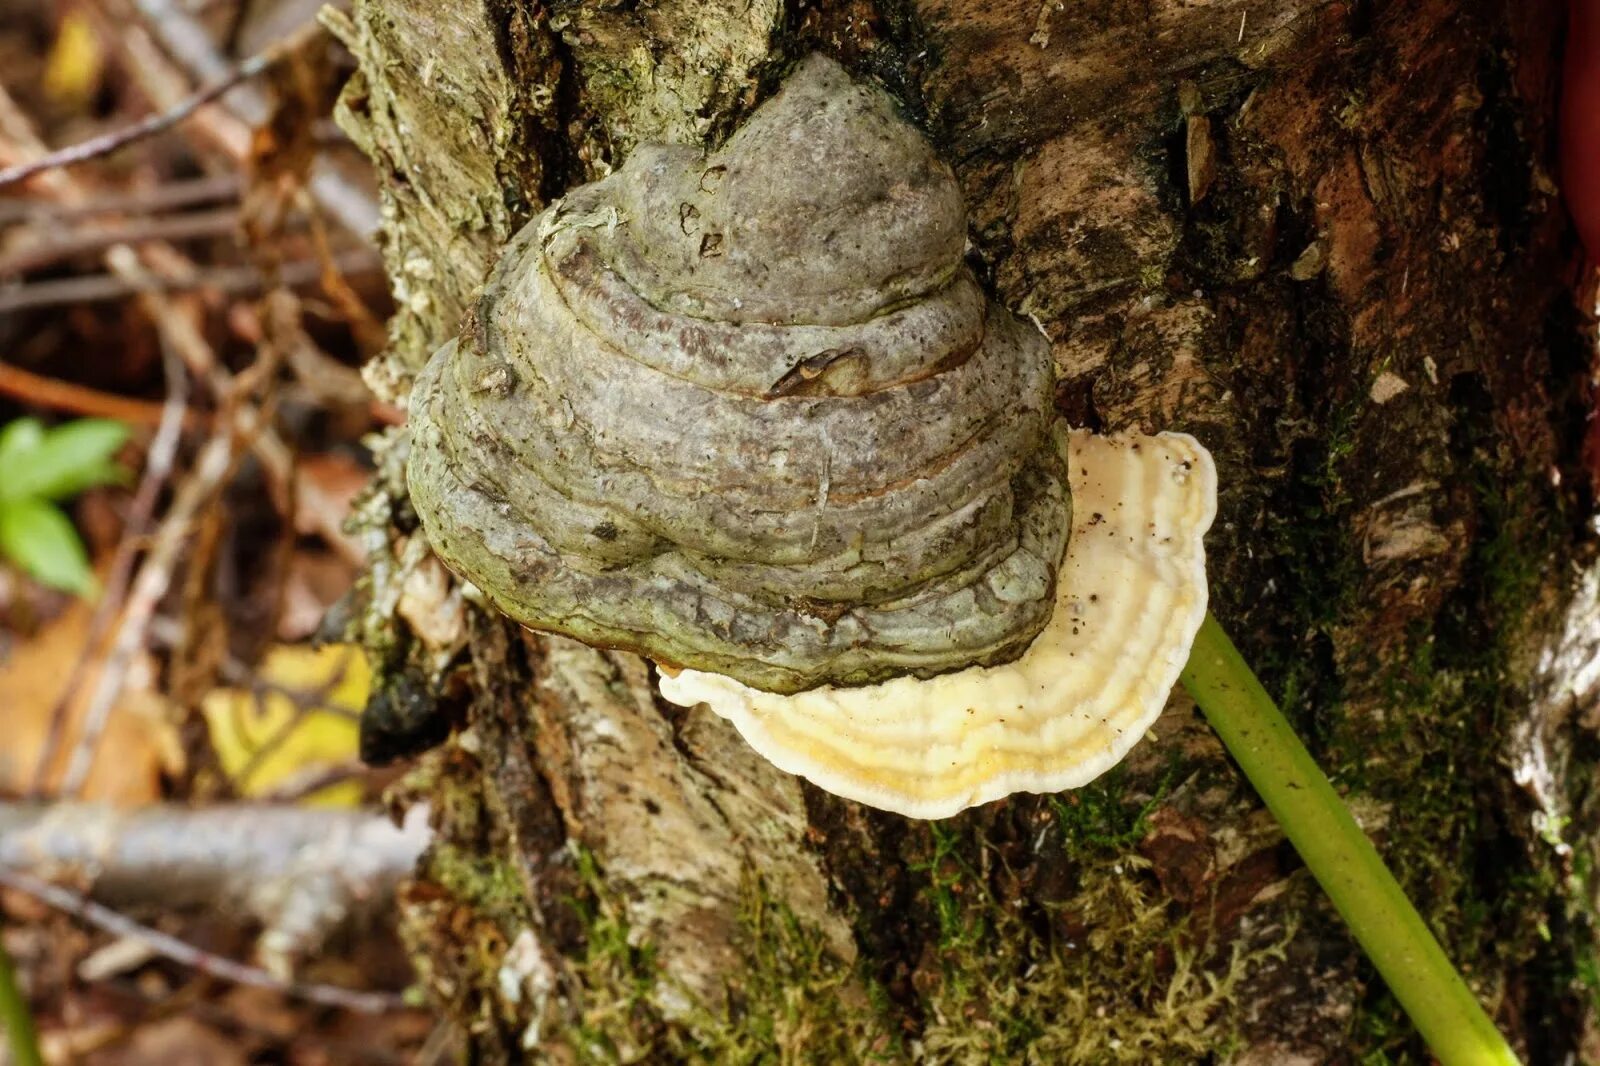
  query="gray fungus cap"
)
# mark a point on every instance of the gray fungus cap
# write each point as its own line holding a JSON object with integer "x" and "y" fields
{"x": 749, "y": 412}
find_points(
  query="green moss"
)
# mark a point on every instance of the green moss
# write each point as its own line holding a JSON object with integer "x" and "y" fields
{"x": 615, "y": 1020}
{"x": 467, "y": 903}
{"x": 1587, "y": 973}
{"x": 1421, "y": 731}
{"x": 1102, "y": 816}
{"x": 795, "y": 1002}
{"x": 1308, "y": 537}
{"x": 1110, "y": 978}
{"x": 790, "y": 1002}
{"x": 488, "y": 891}
{"x": 487, "y": 885}
{"x": 463, "y": 861}
{"x": 1106, "y": 970}
{"x": 1114, "y": 978}
{"x": 962, "y": 926}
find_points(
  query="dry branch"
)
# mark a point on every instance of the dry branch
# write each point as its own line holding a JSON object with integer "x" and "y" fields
{"x": 155, "y": 576}
{"x": 95, "y": 287}
{"x": 217, "y": 222}
{"x": 158, "y": 466}
{"x": 58, "y": 395}
{"x": 302, "y": 872}
{"x": 187, "y": 40}
{"x": 123, "y": 136}
{"x": 103, "y": 917}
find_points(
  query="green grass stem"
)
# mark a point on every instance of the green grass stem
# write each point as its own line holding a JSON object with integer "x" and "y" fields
{"x": 1339, "y": 855}
{"x": 15, "y": 1018}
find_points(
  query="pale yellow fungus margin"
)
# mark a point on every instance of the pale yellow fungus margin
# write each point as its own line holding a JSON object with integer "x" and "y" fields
{"x": 1131, "y": 594}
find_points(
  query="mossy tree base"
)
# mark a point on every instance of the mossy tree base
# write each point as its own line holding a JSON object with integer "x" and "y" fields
{"x": 1325, "y": 239}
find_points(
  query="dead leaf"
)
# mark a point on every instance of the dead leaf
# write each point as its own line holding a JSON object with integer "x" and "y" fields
{"x": 139, "y": 743}
{"x": 314, "y": 582}
{"x": 301, "y": 715}
{"x": 181, "y": 1040}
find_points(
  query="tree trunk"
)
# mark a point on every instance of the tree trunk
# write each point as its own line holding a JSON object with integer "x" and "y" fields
{"x": 1323, "y": 237}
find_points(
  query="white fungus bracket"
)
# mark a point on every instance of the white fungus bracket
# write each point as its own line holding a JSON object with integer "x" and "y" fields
{"x": 1130, "y": 596}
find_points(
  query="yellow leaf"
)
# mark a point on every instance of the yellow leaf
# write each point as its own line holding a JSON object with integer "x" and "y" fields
{"x": 76, "y": 62}
{"x": 300, "y": 717}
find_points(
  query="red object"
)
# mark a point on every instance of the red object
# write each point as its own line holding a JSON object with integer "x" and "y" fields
{"x": 1580, "y": 122}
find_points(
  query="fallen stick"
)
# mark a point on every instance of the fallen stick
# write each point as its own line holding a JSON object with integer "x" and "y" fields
{"x": 302, "y": 872}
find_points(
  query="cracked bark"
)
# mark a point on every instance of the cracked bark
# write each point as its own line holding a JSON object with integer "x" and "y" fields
{"x": 1323, "y": 237}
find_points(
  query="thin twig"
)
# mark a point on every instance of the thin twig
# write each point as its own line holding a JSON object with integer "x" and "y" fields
{"x": 93, "y": 287}
{"x": 17, "y": 139}
{"x": 313, "y": 779}
{"x": 325, "y": 512}
{"x": 191, "y": 44}
{"x": 368, "y": 329}
{"x": 298, "y": 874}
{"x": 169, "y": 196}
{"x": 183, "y": 952}
{"x": 218, "y": 222}
{"x": 58, "y": 395}
{"x": 109, "y": 142}
{"x": 167, "y": 634}
{"x": 158, "y": 464}
{"x": 155, "y": 575}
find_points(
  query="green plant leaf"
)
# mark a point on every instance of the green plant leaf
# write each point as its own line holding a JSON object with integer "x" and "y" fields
{"x": 64, "y": 461}
{"x": 17, "y": 438}
{"x": 37, "y": 537}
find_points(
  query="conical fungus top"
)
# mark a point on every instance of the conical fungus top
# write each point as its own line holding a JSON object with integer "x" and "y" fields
{"x": 750, "y": 412}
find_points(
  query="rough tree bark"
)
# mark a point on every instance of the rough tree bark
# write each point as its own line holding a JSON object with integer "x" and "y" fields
{"x": 1322, "y": 236}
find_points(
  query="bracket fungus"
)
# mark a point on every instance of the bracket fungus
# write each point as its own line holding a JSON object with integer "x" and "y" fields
{"x": 1130, "y": 596}
{"x": 750, "y": 413}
